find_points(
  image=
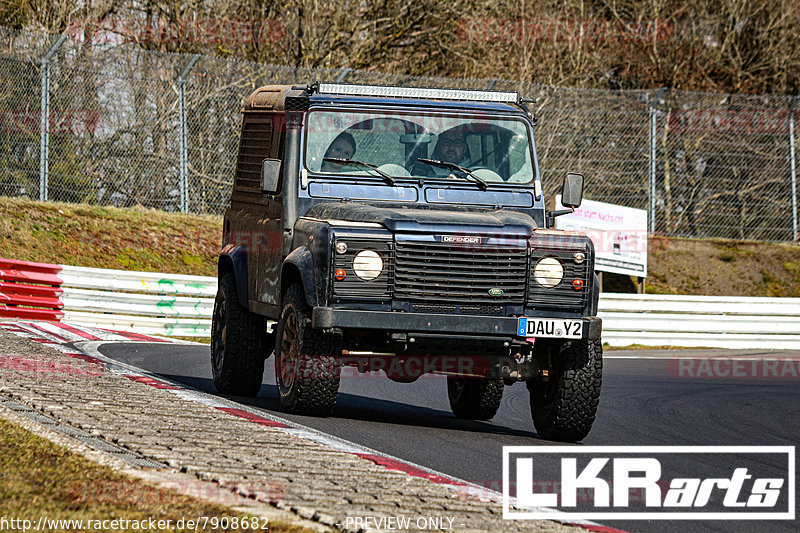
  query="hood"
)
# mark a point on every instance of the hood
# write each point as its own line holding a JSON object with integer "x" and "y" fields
{"x": 422, "y": 218}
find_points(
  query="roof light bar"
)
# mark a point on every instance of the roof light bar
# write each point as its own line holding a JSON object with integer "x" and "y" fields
{"x": 511, "y": 97}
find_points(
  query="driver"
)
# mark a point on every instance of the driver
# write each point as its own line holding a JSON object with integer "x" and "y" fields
{"x": 452, "y": 148}
{"x": 342, "y": 147}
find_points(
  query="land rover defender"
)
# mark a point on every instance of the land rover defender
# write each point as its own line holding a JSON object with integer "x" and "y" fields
{"x": 404, "y": 230}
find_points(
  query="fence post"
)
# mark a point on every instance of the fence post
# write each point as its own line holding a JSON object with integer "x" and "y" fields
{"x": 343, "y": 75}
{"x": 44, "y": 119}
{"x": 184, "y": 177}
{"x": 651, "y": 212}
{"x": 793, "y": 166}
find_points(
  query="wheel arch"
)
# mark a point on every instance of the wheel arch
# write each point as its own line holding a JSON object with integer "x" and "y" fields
{"x": 298, "y": 267}
{"x": 233, "y": 260}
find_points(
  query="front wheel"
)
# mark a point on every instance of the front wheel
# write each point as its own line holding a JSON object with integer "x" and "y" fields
{"x": 239, "y": 343}
{"x": 474, "y": 398}
{"x": 307, "y": 364}
{"x": 564, "y": 404}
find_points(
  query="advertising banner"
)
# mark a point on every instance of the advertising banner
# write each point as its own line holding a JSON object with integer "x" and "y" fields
{"x": 619, "y": 235}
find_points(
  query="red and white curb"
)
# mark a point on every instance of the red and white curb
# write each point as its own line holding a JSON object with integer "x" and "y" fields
{"x": 70, "y": 340}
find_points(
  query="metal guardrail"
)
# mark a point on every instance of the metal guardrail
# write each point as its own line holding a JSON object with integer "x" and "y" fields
{"x": 700, "y": 321}
{"x": 169, "y": 304}
{"x": 30, "y": 290}
{"x": 142, "y": 302}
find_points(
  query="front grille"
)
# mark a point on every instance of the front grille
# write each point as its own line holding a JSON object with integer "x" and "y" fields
{"x": 440, "y": 273}
{"x": 459, "y": 309}
{"x": 563, "y": 294}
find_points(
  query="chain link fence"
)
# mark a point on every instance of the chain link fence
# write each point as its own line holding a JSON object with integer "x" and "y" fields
{"x": 112, "y": 124}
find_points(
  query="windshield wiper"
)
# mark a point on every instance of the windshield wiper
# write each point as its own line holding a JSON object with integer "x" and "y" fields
{"x": 452, "y": 166}
{"x": 340, "y": 161}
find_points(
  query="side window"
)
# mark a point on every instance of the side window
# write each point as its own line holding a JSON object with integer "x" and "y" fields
{"x": 254, "y": 146}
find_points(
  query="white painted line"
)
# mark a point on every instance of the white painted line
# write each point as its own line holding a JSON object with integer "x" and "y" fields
{"x": 55, "y": 330}
{"x": 772, "y": 356}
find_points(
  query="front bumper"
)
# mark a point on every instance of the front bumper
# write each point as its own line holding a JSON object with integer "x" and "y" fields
{"x": 328, "y": 317}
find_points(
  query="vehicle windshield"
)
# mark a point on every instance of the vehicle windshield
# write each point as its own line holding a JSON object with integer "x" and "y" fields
{"x": 495, "y": 150}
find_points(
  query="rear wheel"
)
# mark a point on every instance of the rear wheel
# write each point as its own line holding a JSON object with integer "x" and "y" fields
{"x": 564, "y": 405}
{"x": 307, "y": 363}
{"x": 239, "y": 343}
{"x": 474, "y": 398}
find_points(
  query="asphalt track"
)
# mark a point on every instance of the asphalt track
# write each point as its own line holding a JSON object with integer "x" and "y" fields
{"x": 647, "y": 399}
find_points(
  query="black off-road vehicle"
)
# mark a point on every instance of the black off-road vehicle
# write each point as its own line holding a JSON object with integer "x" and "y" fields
{"x": 404, "y": 230}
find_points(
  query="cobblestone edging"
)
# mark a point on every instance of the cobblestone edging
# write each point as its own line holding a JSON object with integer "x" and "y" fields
{"x": 144, "y": 418}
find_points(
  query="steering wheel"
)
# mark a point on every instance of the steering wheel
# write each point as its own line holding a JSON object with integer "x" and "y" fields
{"x": 486, "y": 174}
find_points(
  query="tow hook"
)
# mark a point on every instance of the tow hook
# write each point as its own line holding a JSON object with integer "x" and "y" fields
{"x": 510, "y": 376}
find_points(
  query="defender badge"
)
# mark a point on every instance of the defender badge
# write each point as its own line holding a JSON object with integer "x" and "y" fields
{"x": 462, "y": 239}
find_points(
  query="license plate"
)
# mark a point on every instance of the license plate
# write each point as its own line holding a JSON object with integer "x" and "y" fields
{"x": 554, "y": 328}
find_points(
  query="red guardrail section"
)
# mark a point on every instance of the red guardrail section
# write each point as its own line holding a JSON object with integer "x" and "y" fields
{"x": 30, "y": 290}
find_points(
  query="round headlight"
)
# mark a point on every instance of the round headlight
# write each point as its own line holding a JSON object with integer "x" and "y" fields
{"x": 548, "y": 272}
{"x": 367, "y": 264}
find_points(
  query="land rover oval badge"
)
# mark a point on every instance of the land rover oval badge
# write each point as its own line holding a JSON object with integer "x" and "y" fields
{"x": 495, "y": 292}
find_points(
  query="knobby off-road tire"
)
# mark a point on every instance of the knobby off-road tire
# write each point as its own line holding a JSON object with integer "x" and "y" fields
{"x": 474, "y": 398}
{"x": 564, "y": 407}
{"x": 239, "y": 341}
{"x": 307, "y": 360}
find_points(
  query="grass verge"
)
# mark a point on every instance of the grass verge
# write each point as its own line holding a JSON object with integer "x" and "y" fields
{"x": 41, "y": 479}
{"x": 107, "y": 237}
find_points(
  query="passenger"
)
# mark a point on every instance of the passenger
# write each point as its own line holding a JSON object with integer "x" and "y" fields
{"x": 342, "y": 147}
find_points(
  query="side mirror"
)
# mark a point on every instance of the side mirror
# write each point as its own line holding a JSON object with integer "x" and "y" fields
{"x": 572, "y": 190}
{"x": 270, "y": 174}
